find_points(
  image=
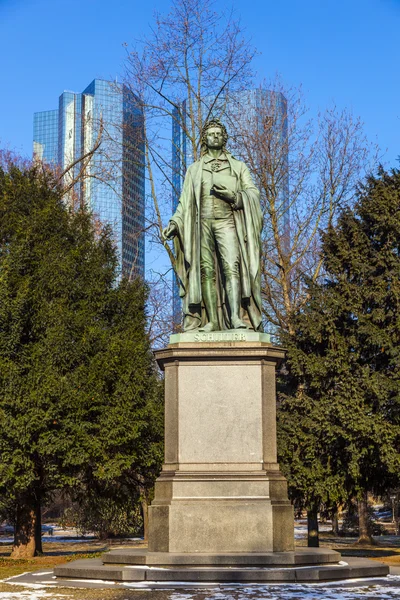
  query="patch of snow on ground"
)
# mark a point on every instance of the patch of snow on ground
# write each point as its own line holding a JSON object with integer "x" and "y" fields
{"x": 39, "y": 594}
{"x": 342, "y": 590}
{"x": 69, "y": 534}
{"x": 34, "y": 585}
{"x": 335, "y": 591}
{"x": 102, "y": 581}
{"x": 300, "y": 529}
{"x": 54, "y": 538}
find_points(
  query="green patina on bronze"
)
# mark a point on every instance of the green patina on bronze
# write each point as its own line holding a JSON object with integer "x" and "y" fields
{"x": 217, "y": 230}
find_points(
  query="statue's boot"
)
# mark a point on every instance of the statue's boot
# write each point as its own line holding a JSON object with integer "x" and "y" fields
{"x": 239, "y": 324}
{"x": 208, "y": 327}
{"x": 233, "y": 292}
{"x": 209, "y": 294}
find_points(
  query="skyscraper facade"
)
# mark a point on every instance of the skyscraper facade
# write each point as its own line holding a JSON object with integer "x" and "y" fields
{"x": 113, "y": 185}
{"x": 249, "y": 106}
{"x": 45, "y": 136}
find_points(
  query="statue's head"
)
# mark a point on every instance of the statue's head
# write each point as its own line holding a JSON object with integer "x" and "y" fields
{"x": 210, "y": 126}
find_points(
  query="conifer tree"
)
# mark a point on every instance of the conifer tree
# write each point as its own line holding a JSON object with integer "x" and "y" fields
{"x": 340, "y": 429}
{"x": 78, "y": 389}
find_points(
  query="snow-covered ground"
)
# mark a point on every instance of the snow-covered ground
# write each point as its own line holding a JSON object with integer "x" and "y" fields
{"x": 333, "y": 591}
{"x": 336, "y": 591}
{"x": 69, "y": 535}
{"x": 300, "y": 528}
{"x": 354, "y": 590}
{"x": 39, "y": 594}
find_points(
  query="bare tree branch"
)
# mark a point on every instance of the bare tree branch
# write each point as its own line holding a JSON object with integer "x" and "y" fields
{"x": 307, "y": 171}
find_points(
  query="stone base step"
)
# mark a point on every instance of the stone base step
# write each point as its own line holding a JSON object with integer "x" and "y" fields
{"x": 350, "y": 568}
{"x": 90, "y": 568}
{"x": 302, "y": 556}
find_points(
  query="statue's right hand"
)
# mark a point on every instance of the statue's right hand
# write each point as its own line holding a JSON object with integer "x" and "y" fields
{"x": 170, "y": 231}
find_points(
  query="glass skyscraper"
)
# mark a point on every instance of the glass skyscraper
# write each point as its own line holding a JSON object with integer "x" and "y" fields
{"x": 114, "y": 181}
{"x": 45, "y": 136}
{"x": 254, "y": 102}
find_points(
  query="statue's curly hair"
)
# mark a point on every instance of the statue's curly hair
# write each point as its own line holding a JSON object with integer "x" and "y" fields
{"x": 213, "y": 122}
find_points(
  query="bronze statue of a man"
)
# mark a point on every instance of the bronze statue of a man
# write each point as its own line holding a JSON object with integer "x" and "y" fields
{"x": 217, "y": 230}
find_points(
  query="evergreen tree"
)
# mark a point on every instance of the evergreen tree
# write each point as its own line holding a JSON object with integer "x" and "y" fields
{"x": 128, "y": 427}
{"x": 78, "y": 390}
{"x": 340, "y": 429}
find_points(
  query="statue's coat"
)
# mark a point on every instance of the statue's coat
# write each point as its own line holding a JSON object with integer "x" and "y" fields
{"x": 248, "y": 224}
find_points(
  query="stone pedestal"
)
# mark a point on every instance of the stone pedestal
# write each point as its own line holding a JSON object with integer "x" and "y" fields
{"x": 220, "y": 490}
{"x": 220, "y": 512}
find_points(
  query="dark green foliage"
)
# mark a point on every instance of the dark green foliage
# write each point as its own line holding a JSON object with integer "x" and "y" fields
{"x": 339, "y": 420}
{"x": 80, "y": 402}
{"x": 106, "y": 517}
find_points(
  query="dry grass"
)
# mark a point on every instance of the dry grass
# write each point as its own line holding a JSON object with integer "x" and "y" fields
{"x": 382, "y": 550}
{"x": 10, "y": 567}
{"x": 92, "y": 594}
{"x": 392, "y": 560}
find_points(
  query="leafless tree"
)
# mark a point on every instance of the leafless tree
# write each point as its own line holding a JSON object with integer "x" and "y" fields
{"x": 100, "y": 165}
{"x": 79, "y": 170}
{"x": 196, "y": 63}
{"x": 186, "y": 69}
{"x": 307, "y": 170}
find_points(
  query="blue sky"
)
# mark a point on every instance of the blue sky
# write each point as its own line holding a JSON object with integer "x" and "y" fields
{"x": 345, "y": 52}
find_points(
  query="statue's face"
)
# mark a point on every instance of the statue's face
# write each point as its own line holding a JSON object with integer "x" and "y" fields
{"x": 214, "y": 138}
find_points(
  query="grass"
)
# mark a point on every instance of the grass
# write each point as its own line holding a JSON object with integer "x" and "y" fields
{"x": 9, "y": 567}
{"x": 91, "y": 594}
{"x": 392, "y": 560}
{"x": 382, "y": 550}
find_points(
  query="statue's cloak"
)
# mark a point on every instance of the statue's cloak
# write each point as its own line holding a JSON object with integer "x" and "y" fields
{"x": 248, "y": 222}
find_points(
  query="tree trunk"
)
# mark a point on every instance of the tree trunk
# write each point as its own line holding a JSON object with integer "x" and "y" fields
{"x": 24, "y": 535}
{"x": 103, "y": 535}
{"x": 312, "y": 526}
{"x": 335, "y": 521}
{"x": 145, "y": 515}
{"x": 365, "y": 536}
{"x": 38, "y": 529}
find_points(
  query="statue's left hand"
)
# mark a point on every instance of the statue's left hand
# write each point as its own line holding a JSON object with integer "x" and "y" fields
{"x": 222, "y": 192}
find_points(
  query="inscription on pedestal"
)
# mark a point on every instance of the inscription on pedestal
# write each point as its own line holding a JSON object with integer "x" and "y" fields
{"x": 230, "y": 335}
{"x": 219, "y": 336}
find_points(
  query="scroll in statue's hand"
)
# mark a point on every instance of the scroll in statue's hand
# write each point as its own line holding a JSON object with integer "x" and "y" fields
{"x": 170, "y": 231}
{"x": 222, "y": 192}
